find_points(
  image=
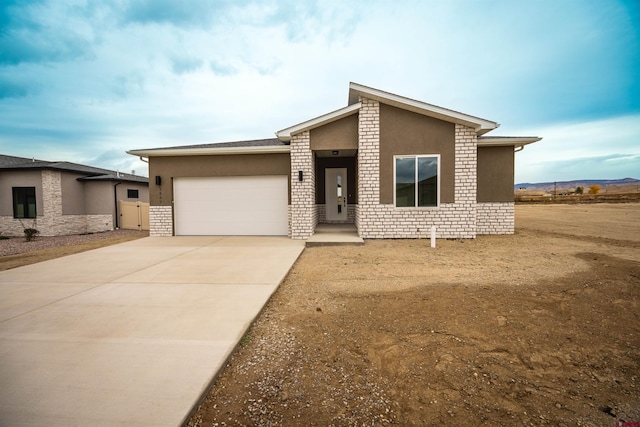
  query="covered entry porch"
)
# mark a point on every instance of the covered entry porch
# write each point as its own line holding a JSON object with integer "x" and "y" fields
{"x": 336, "y": 192}
{"x": 324, "y": 154}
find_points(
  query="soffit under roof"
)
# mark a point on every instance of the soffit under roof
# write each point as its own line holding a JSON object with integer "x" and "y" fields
{"x": 505, "y": 141}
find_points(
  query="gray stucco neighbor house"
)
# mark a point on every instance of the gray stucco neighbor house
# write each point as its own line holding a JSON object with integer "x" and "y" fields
{"x": 391, "y": 165}
{"x": 61, "y": 198}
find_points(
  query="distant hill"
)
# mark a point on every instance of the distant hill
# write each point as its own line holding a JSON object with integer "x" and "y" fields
{"x": 571, "y": 185}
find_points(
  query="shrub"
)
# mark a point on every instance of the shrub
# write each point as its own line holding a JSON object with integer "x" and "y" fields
{"x": 594, "y": 189}
{"x": 579, "y": 190}
{"x": 30, "y": 233}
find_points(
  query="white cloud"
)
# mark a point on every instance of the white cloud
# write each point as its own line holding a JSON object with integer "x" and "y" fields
{"x": 121, "y": 74}
{"x": 608, "y": 148}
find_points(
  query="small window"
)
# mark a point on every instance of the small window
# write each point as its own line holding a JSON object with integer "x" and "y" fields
{"x": 416, "y": 181}
{"x": 24, "y": 202}
{"x": 132, "y": 194}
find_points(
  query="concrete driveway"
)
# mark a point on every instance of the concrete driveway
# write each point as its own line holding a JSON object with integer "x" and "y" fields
{"x": 130, "y": 334}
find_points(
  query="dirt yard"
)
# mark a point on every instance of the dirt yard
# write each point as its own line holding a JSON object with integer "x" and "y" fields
{"x": 538, "y": 328}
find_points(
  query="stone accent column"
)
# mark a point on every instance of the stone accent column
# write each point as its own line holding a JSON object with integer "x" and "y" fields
{"x": 48, "y": 223}
{"x": 466, "y": 179}
{"x": 160, "y": 221}
{"x": 304, "y": 214}
{"x": 368, "y": 166}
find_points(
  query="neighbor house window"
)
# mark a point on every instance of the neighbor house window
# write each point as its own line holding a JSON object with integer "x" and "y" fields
{"x": 416, "y": 181}
{"x": 24, "y": 202}
{"x": 132, "y": 194}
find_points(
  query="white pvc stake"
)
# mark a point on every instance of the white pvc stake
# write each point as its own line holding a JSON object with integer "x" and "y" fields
{"x": 433, "y": 236}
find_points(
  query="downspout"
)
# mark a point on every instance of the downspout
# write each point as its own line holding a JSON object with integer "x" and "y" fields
{"x": 115, "y": 201}
{"x": 519, "y": 148}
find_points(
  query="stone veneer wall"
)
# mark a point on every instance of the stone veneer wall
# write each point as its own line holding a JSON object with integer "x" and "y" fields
{"x": 52, "y": 222}
{"x": 496, "y": 218}
{"x": 9, "y": 226}
{"x": 160, "y": 221}
{"x": 304, "y": 214}
{"x": 375, "y": 220}
{"x": 322, "y": 214}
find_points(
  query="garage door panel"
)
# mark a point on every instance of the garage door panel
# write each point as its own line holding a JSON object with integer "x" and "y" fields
{"x": 231, "y": 205}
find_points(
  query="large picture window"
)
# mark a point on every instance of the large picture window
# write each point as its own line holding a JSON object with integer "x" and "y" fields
{"x": 24, "y": 202}
{"x": 416, "y": 181}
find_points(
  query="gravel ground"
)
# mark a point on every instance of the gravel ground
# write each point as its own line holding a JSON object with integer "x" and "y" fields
{"x": 18, "y": 245}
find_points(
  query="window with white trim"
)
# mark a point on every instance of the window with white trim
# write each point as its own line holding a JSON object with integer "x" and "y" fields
{"x": 416, "y": 181}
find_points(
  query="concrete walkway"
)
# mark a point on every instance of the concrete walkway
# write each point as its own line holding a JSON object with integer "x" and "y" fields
{"x": 335, "y": 234}
{"x": 130, "y": 334}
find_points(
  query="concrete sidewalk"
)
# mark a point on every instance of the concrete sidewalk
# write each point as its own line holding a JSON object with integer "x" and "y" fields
{"x": 130, "y": 334}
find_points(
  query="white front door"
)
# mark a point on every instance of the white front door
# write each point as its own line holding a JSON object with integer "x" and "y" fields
{"x": 336, "y": 194}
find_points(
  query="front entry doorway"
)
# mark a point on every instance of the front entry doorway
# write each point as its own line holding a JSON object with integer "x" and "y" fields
{"x": 336, "y": 194}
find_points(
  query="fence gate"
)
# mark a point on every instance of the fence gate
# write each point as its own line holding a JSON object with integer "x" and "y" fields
{"x": 133, "y": 215}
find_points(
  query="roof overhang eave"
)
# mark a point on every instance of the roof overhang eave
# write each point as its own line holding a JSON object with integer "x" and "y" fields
{"x": 516, "y": 141}
{"x": 481, "y": 126}
{"x": 286, "y": 134}
{"x": 210, "y": 151}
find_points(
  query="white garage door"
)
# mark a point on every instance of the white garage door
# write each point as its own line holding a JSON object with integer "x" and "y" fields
{"x": 247, "y": 205}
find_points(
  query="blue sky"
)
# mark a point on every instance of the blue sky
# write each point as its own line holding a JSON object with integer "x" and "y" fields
{"x": 84, "y": 81}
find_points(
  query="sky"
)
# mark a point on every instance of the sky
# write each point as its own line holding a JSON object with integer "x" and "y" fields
{"x": 85, "y": 81}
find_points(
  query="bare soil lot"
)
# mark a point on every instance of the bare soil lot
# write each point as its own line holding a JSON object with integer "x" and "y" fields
{"x": 538, "y": 328}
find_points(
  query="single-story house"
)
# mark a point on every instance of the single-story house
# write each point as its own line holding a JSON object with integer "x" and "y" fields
{"x": 392, "y": 166}
{"x": 61, "y": 198}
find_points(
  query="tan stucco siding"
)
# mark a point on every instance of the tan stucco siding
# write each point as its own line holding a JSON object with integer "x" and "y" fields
{"x": 99, "y": 198}
{"x": 339, "y": 135}
{"x": 406, "y": 133}
{"x": 322, "y": 163}
{"x": 9, "y": 179}
{"x": 203, "y": 166}
{"x": 495, "y": 174}
{"x": 143, "y": 192}
{"x": 73, "y": 197}
{"x": 95, "y": 197}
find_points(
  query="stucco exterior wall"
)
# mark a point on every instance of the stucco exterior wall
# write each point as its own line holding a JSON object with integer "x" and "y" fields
{"x": 10, "y": 179}
{"x": 99, "y": 198}
{"x": 409, "y": 133}
{"x": 495, "y": 174}
{"x": 73, "y": 197}
{"x": 54, "y": 223}
{"x": 383, "y": 220}
{"x": 96, "y": 197}
{"x": 203, "y": 166}
{"x": 52, "y": 190}
{"x": 143, "y": 192}
{"x": 339, "y": 135}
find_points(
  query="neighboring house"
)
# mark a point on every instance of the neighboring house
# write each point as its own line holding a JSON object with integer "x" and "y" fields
{"x": 392, "y": 166}
{"x": 60, "y": 198}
